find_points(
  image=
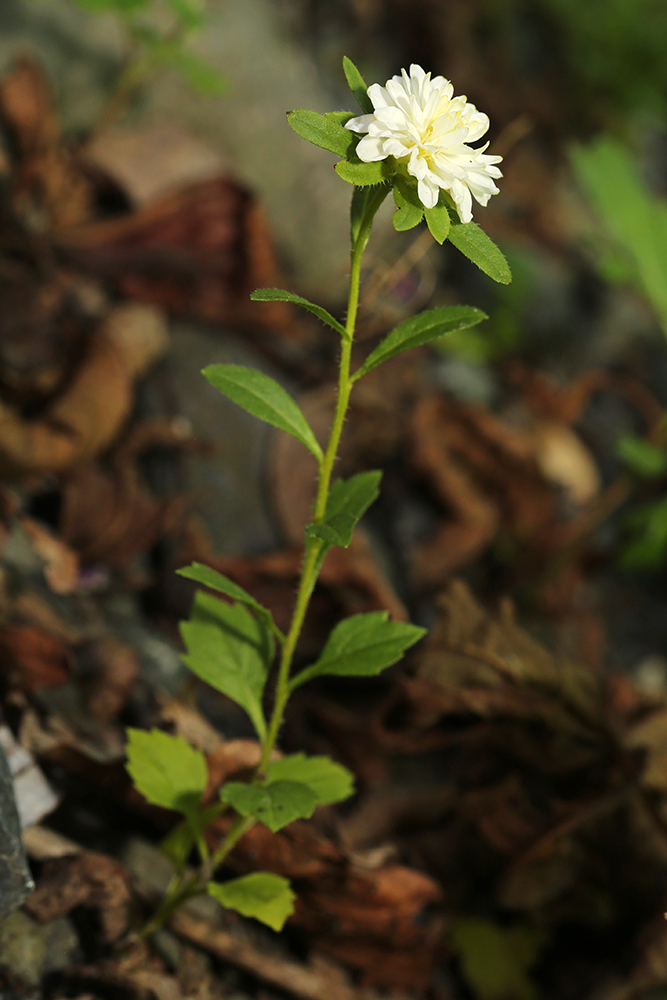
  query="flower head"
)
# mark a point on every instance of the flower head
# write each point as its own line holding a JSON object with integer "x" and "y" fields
{"x": 419, "y": 121}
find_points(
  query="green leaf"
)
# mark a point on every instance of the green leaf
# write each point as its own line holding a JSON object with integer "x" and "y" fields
{"x": 275, "y": 804}
{"x": 230, "y": 650}
{"x": 199, "y": 74}
{"x": 648, "y": 549}
{"x": 365, "y": 174}
{"x": 360, "y": 197}
{"x": 357, "y": 85}
{"x": 643, "y": 457}
{"x": 189, "y": 14}
{"x": 438, "y": 220}
{"x": 477, "y": 247}
{"x": 325, "y": 131}
{"x": 495, "y": 960}
{"x": 361, "y": 646}
{"x": 329, "y": 782}
{"x": 216, "y": 581}
{"x": 166, "y": 769}
{"x": 634, "y": 218}
{"x": 410, "y": 210}
{"x": 264, "y": 398}
{"x": 421, "y": 329}
{"x": 278, "y": 295}
{"x": 180, "y": 840}
{"x": 348, "y": 502}
{"x": 261, "y": 895}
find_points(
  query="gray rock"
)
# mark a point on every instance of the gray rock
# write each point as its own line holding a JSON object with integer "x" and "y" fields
{"x": 15, "y": 879}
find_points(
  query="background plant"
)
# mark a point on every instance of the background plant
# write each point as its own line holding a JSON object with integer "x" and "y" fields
{"x": 158, "y": 34}
{"x": 232, "y": 646}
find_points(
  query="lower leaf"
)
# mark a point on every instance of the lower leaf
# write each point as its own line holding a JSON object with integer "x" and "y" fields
{"x": 262, "y": 895}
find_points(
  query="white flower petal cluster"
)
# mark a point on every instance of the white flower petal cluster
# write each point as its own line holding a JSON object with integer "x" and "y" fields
{"x": 419, "y": 121}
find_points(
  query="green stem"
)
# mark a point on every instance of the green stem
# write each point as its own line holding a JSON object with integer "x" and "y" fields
{"x": 183, "y": 888}
{"x": 315, "y": 546}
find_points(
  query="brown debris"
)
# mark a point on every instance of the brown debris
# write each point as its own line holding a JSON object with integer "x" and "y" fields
{"x": 33, "y": 658}
{"x": 91, "y": 880}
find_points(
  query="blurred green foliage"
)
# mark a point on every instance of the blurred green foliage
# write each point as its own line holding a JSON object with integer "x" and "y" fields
{"x": 634, "y": 220}
{"x": 158, "y": 34}
{"x": 495, "y": 960}
{"x": 502, "y": 333}
{"x": 610, "y": 54}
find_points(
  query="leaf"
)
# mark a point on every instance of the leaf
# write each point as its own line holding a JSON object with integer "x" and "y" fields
{"x": 216, "y": 581}
{"x": 357, "y": 85}
{"x": 264, "y": 398}
{"x": 324, "y": 131}
{"x": 180, "y": 840}
{"x": 421, "y": 329}
{"x": 495, "y": 960}
{"x": 477, "y": 247}
{"x": 231, "y": 651}
{"x": 166, "y": 769}
{"x": 365, "y": 174}
{"x": 643, "y": 457}
{"x": 199, "y": 74}
{"x": 275, "y": 804}
{"x": 410, "y": 210}
{"x": 438, "y": 221}
{"x": 348, "y": 502}
{"x": 261, "y": 895}
{"x": 635, "y": 219}
{"x": 358, "y": 207}
{"x": 278, "y": 295}
{"x": 361, "y": 646}
{"x": 329, "y": 782}
{"x": 190, "y": 15}
{"x": 648, "y": 549}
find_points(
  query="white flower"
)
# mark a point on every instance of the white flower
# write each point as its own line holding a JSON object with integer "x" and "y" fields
{"x": 420, "y": 122}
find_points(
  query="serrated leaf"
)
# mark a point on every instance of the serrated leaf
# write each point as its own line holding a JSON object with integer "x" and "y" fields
{"x": 264, "y": 398}
{"x": 348, "y": 502}
{"x": 278, "y": 295}
{"x": 438, "y": 221}
{"x": 324, "y": 131}
{"x": 357, "y": 85}
{"x": 275, "y": 804}
{"x": 643, "y": 457}
{"x": 180, "y": 840}
{"x": 217, "y": 581}
{"x": 261, "y": 895}
{"x": 474, "y": 244}
{"x": 361, "y": 646}
{"x": 166, "y": 769}
{"x": 421, "y": 329}
{"x": 329, "y": 782}
{"x": 230, "y": 650}
{"x": 365, "y": 174}
{"x": 410, "y": 210}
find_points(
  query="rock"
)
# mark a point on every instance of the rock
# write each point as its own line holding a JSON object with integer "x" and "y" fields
{"x": 22, "y": 947}
{"x": 15, "y": 879}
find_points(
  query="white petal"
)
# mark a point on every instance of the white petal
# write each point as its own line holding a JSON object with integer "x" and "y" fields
{"x": 370, "y": 149}
{"x": 360, "y": 124}
{"x": 379, "y": 96}
{"x": 462, "y": 200}
{"x": 428, "y": 192}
